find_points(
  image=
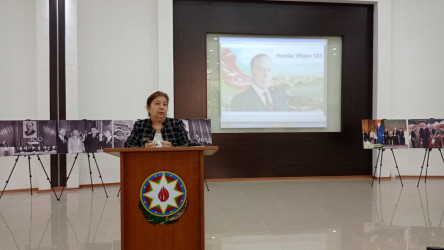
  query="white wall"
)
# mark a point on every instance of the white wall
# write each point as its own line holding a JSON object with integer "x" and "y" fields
{"x": 409, "y": 83}
{"x": 24, "y": 79}
{"x": 114, "y": 61}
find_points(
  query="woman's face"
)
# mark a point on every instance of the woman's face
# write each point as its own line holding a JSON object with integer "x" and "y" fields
{"x": 158, "y": 108}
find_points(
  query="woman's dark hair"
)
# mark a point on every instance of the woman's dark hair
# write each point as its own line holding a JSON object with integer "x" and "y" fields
{"x": 155, "y": 95}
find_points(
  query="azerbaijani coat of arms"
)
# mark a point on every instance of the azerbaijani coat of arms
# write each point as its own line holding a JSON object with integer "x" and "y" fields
{"x": 163, "y": 198}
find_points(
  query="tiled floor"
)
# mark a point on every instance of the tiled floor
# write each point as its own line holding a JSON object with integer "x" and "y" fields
{"x": 288, "y": 214}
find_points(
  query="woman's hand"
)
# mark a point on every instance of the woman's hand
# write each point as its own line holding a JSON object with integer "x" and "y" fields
{"x": 166, "y": 144}
{"x": 150, "y": 144}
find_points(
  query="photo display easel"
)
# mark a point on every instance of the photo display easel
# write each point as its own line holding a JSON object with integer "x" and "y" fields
{"x": 393, "y": 134}
{"x": 42, "y": 137}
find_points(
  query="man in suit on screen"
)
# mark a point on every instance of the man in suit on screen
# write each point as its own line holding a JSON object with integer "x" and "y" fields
{"x": 260, "y": 96}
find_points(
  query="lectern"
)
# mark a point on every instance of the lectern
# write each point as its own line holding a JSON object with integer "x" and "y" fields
{"x": 162, "y": 197}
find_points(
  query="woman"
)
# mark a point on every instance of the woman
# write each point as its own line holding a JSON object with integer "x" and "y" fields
{"x": 373, "y": 137}
{"x": 158, "y": 130}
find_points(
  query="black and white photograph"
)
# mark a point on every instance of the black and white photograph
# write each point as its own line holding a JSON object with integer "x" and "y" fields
{"x": 199, "y": 131}
{"x": 7, "y": 137}
{"x": 122, "y": 130}
{"x": 426, "y": 133}
{"x": 71, "y": 136}
{"x": 27, "y": 137}
{"x": 29, "y": 129}
{"x": 84, "y": 136}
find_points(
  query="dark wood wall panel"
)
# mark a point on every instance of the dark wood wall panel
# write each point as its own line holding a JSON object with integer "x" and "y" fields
{"x": 279, "y": 154}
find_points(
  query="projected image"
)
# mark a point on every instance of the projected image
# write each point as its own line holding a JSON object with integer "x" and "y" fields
{"x": 272, "y": 82}
{"x": 426, "y": 133}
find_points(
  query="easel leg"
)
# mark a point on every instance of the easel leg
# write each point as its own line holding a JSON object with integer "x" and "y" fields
{"x": 100, "y": 175}
{"x": 7, "y": 181}
{"x": 427, "y": 168}
{"x": 396, "y": 164}
{"x": 442, "y": 157}
{"x": 90, "y": 173}
{"x": 47, "y": 177}
{"x": 205, "y": 180}
{"x": 376, "y": 166}
{"x": 380, "y": 166}
{"x": 30, "y": 175}
{"x": 422, "y": 166}
{"x": 118, "y": 193}
{"x": 67, "y": 178}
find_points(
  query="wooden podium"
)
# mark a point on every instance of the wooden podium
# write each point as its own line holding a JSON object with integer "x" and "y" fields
{"x": 136, "y": 165}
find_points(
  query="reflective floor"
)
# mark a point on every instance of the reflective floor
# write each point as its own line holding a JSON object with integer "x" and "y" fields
{"x": 285, "y": 214}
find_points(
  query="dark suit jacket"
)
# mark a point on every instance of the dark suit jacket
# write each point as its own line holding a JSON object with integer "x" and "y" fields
{"x": 62, "y": 147}
{"x": 250, "y": 101}
{"x": 28, "y": 133}
{"x": 106, "y": 143}
{"x": 92, "y": 143}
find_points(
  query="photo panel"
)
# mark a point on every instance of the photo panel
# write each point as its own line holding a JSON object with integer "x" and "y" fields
{"x": 99, "y": 135}
{"x": 426, "y": 133}
{"x": 71, "y": 136}
{"x": 121, "y": 131}
{"x": 372, "y": 133}
{"x": 199, "y": 131}
{"x": 7, "y": 138}
{"x": 396, "y": 134}
{"x": 35, "y": 137}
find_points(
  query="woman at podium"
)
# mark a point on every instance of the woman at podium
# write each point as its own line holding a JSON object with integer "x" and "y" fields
{"x": 158, "y": 130}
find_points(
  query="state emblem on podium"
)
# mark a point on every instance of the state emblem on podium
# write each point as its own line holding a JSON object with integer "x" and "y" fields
{"x": 163, "y": 198}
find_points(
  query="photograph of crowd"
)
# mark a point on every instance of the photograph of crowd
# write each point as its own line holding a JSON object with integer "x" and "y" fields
{"x": 384, "y": 133}
{"x": 27, "y": 137}
{"x": 122, "y": 130}
{"x": 426, "y": 133}
{"x": 199, "y": 131}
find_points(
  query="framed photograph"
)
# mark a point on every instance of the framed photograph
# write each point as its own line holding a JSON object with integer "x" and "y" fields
{"x": 29, "y": 129}
{"x": 426, "y": 133}
{"x": 199, "y": 131}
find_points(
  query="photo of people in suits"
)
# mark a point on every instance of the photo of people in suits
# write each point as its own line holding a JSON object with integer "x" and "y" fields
{"x": 84, "y": 136}
{"x": 99, "y": 135}
{"x": 395, "y": 134}
{"x": 384, "y": 133}
{"x": 261, "y": 95}
{"x": 426, "y": 133}
{"x": 371, "y": 136}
